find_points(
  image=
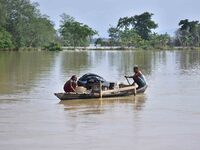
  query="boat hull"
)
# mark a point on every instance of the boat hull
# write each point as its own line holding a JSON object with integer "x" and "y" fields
{"x": 107, "y": 94}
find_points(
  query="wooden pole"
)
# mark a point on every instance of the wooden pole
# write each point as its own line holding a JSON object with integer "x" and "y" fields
{"x": 127, "y": 80}
{"x": 135, "y": 91}
{"x": 100, "y": 90}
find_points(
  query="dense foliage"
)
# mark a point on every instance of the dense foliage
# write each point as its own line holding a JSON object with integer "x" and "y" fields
{"x": 140, "y": 24}
{"x": 53, "y": 47}
{"x": 188, "y": 35}
{"x": 75, "y": 33}
{"x": 5, "y": 39}
{"x": 136, "y": 31}
{"x": 24, "y": 25}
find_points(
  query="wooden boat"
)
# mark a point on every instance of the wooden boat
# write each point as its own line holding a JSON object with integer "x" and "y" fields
{"x": 123, "y": 90}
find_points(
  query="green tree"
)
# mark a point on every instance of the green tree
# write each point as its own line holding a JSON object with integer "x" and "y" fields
{"x": 39, "y": 32}
{"x": 134, "y": 31}
{"x": 53, "y": 47}
{"x": 188, "y": 34}
{"x": 75, "y": 33}
{"x": 114, "y": 36}
{"x": 23, "y": 21}
{"x": 3, "y": 12}
{"x": 98, "y": 41}
{"x": 188, "y": 25}
{"x": 5, "y": 39}
{"x": 160, "y": 41}
{"x": 142, "y": 24}
{"x": 130, "y": 38}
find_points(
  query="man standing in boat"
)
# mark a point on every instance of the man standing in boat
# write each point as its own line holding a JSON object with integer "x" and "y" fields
{"x": 70, "y": 85}
{"x": 138, "y": 78}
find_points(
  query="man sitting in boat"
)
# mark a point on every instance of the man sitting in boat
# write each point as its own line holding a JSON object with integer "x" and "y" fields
{"x": 138, "y": 78}
{"x": 70, "y": 85}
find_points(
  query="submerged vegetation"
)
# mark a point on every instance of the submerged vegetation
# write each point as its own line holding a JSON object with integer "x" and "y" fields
{"x": 53, "y": 46}
{"x": 23, "y": 26}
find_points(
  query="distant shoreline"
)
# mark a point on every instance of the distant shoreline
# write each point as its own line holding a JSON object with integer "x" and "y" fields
{"x": 102, "y": 48}
{"x": 128, "y": 48}
{"x": 99, "y": 48}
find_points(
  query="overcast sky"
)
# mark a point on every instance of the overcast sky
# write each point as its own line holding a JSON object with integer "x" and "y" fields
{"x": 99, "y": 14}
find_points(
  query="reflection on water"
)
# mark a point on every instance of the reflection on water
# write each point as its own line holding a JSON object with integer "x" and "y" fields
{"x": 93, "y": 106}
{"x": 166, "y": 117}
{"x": 20, "y": 70}
{"x": 189, "y": 60}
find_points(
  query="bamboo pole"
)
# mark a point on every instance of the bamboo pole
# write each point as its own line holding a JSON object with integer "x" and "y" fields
{"x": 135, "y": 91}
{"x": 100, "y": 90}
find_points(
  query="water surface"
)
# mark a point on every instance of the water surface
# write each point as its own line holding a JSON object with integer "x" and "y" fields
{"x": 166, "y": 117}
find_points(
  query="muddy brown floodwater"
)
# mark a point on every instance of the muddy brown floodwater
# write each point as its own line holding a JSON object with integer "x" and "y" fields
{"x": 166, "y": 117}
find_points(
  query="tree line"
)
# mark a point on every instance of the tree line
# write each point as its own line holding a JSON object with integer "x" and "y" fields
{"x": 23, "y": 26}
{"x": 136, "y": 31}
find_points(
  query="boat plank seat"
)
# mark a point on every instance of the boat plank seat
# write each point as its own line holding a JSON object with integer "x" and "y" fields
{"x": 120, "y": 90}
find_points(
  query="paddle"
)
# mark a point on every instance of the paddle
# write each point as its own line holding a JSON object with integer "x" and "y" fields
{"x": 127, "y": 80}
